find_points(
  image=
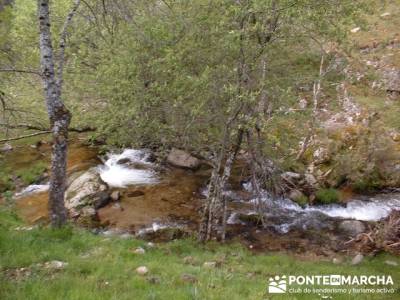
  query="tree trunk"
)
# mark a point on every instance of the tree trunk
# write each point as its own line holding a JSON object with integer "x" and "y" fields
{"x": 59, "y": 119}
{"x": 213, "y": 222}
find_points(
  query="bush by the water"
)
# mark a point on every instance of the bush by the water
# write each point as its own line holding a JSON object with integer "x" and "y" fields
{"x": 327, "y": 196}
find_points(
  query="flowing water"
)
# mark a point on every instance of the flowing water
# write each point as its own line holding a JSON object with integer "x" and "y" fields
{"x": 154, "y": 196}
{"x": 139, "y": 170}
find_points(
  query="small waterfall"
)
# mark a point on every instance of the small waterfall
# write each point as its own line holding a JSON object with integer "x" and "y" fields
{"x": 128, "y": 168}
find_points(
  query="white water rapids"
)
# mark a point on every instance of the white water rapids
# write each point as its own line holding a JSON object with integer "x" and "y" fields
{"x": 134, "y": 167}
{"x": 117, "y": 173}
{"x": 284, "y": 214}
{"x": 373, "y": 209}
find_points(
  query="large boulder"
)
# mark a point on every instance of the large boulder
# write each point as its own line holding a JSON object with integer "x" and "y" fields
{"x": 352, "y": 227}
{"x": 182, "y": 159}
{"x": 82, "y": 190}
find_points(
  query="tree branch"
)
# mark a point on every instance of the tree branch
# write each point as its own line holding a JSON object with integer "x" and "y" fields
{"x": 63, "y": 38}
{"x": 24, "y": 136}
{"x": 22, "y": 71}
{"x": 35, "y": 127}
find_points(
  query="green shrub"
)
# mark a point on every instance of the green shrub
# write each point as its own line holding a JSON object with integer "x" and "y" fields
{"x": 327, "y": 196}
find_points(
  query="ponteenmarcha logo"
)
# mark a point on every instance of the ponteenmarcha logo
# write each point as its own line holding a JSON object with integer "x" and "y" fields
{"x": 330, "y": 284}
{"x": 277, "y": 285}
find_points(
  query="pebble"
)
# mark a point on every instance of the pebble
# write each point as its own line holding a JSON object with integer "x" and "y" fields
{"x": 357, "y": 259}
{"x": 189, "y": 278}
{"x": 142, "y": 270}
{"x": 210, "y": 264}
{"x": 115, "y": 195}
{"x": 188, "y": 260}
{"x": 337, "y": 261}
{"x": 150, "y": 245}
{"x": 139, "y": 250}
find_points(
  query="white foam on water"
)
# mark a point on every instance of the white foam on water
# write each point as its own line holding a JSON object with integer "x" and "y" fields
{"x": 373, "y": 210}
{"x": 120, "y": 175}
{"x": 154, "y": 228}
{"x": 33, "y": 189}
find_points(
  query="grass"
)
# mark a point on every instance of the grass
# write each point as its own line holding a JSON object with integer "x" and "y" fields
{"x": 388, "y": 112}
{"x": 104, "y": 268}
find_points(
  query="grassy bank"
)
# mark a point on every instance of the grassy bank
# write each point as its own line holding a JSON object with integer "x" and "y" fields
{"x": 104, "y": 268}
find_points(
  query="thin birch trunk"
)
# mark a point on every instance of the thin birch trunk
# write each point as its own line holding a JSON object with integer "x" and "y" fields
{"x": 59, "y": 115}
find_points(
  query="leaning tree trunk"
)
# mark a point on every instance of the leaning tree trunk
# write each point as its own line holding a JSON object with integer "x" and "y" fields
{"x": 59, "y": 119}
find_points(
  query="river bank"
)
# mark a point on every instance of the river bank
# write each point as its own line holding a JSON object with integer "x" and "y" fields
{"x": 130, "y": 193}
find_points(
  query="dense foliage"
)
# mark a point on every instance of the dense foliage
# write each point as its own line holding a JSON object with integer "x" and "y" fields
{"x": 172, "y": 73}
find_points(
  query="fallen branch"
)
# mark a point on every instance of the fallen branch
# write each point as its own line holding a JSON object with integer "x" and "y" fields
{"x": 22, "y": 71}
{"x": 24, "y": 136}
{"x": 35, "y": 127}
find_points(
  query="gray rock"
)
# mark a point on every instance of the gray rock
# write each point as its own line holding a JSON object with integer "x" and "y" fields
{"x": 7, "y": 147}
{"x": 139, "y": 250}
{"x": 352, "y": 227}
{"x": 189, "y": 278}
{"x": 115, "y": 196}
{"x": 123, "y": 161}
{"x": 100, "y": 199}
{"x": 150, "y": 245}
{"x": 210, "y": 264}
{"x": 182, "y": 159}
{"x": 86, "y": 185}
{"x": 357, "y": 259}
